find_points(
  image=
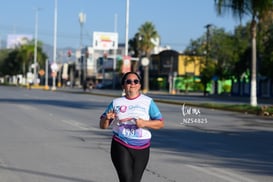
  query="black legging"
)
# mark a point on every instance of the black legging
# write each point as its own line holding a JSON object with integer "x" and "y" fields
{"x": 129, "y": 163}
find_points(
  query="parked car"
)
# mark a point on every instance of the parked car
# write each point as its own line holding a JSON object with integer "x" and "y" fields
{"x": 104, "y": 85}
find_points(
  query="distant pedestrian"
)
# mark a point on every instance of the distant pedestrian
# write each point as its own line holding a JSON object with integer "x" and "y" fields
{"x": 84, "y": 86}
{"x": 30, "y": 83}
{"x": 131, "y": 116}
{"x": 18, "y": 81}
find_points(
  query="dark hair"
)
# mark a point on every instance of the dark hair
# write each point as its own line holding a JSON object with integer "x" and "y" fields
{"x": 128, "y": 73}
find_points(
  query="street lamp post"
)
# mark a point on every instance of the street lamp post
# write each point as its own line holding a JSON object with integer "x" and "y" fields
{"x": 46, "y": 75}
{"x": 207, "y": 52}
{"x": 35, "y": 47}
{"x": 208, "y": 39}
{"x": 55, "y": 42}
{"x": 115, "y": 56}
{"x": 82, "y": 18}
{"x": 127, "y": 27}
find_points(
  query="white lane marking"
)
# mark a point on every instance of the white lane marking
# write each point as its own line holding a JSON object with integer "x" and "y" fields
{"x": 25, "y": 107}
{"x": 75, "y": 124}
{"x": 79, "y": 125}
{"x": 222, "y": 174}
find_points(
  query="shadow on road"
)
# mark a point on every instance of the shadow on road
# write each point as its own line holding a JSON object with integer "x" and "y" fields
{"x": 60, "y": 103}
{"x": 44, "y": 174}
{"x": 251, "y": 151}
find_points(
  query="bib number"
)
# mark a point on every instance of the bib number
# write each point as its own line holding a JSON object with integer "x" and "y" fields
{"x": 129, "y": 131}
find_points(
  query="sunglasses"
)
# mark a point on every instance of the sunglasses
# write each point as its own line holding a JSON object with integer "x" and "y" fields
{"x": 132, "y": 81}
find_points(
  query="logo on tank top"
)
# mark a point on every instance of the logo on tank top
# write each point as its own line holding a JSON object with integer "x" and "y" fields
{"x": 123, "y": 109}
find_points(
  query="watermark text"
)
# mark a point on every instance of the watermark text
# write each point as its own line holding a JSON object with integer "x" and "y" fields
{"x": 191, "y": 115}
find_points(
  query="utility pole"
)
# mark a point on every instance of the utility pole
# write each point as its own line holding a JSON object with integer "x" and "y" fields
{"x": 207, "y": 55}
{"x": 35, "y": 47}
{"x": 127, "y": 27}
{"x": 46, "y": 75}
{"x": 115, "y": 55}
{"x": 208, "y": 39}
{"x": 82, "y": 18}
{"x": 55, "y": 43}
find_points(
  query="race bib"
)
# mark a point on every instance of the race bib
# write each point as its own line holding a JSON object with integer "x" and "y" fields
{"x": 129, "y": 131}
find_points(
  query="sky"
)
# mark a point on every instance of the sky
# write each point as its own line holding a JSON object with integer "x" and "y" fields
{"x": 176, "y": 21}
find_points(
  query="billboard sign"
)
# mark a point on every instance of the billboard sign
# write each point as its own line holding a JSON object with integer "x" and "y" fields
{"x": 105, "y": 40}
{"x": 14, "y": 40}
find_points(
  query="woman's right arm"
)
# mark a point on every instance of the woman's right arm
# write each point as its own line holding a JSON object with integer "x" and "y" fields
{"x": 106, "y": 119}
{"x": 107, "y": 116}
{"x": 104, "y": 122}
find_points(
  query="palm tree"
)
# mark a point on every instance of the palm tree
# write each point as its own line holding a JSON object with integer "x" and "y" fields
{"x": 145, "y": 36}
{"x": 146, "y": 33}
{"x": 25, "y": 54}
{"x": 257, "y": 10}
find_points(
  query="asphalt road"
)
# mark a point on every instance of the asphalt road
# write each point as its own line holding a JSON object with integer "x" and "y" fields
{"x": 51, "y": 136}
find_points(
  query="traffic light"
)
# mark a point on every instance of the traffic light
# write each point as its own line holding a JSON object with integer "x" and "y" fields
{"x": 69, "y": 53}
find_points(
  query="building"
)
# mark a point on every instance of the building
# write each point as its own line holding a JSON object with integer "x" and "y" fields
{"x": 172, "y": 69}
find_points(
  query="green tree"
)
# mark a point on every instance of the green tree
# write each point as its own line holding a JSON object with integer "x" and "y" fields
{"x": 241, "y": 49}
{"x": 203, "y": 47}
{"x": 223, "y": 53}
{"x": 3, "y": 56}
{"x": 227, "y": 53}
{"x": 11, "y": 64}
{"x": 265, "y": 44}
{"x": 144, "y": 42}
{"x": 26, "y": 54}
{"x": 267, "y": 57}
{"x": 133, "y": 46}
{"x": 146, "y": 34}
{"x": 257, "y": 10}
{"x": 19, "y": 60}
{"x": 199, "y": 47}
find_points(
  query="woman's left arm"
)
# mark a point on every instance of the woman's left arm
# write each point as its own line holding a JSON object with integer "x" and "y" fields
{"x": 153, "y": 124}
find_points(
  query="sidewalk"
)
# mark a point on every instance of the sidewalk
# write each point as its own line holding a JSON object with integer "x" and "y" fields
{"x": 189, "y": 97}
{"x": 193, "y": 97}
{"x": 221, "y": 102}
